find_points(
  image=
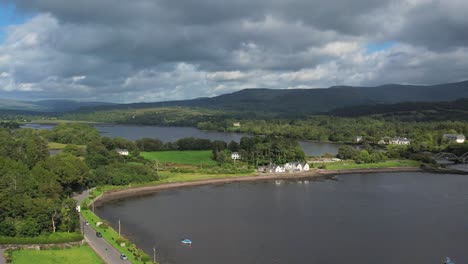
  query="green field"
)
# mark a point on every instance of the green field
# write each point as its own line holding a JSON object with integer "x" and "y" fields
{"x": 76, "y": 255}
{"x": 190, "y": 157}
{"x": 346, "y": 165}
{"x": 55, "y": 145}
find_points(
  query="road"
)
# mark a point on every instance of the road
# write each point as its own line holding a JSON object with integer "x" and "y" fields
{"x": 105, "y": 250}
{"x": 2, "y": 259}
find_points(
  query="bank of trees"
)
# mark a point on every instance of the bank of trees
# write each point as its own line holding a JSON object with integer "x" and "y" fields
{"x": 72, "y": 133}
{"x": 188, "y": 143}
{"x": 425, "y": 136}
{"x": 259, "y": 150}
{"x": 34, "y": 188}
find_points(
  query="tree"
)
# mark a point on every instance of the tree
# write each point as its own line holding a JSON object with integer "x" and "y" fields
{"x": 233, "y": 146}
{"x": 347, "y": 152}
{"x": 70, "y": 171}
{"x": 69, "y": 216}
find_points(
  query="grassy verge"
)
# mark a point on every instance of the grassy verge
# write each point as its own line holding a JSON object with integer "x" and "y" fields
{"x": 346, "y": 165}
{"x": 54, "y": 238}
{"x": 191, "y": 157}
{"x": 75, "y": 255}
{"x": 108, "y": 233}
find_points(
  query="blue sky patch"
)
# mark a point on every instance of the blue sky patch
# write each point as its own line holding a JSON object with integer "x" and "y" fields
{"x": 380, "y": 46}
{"x": 9, "y": 16}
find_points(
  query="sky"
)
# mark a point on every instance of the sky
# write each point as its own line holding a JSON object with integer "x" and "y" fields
{"x": 156, "y": 50}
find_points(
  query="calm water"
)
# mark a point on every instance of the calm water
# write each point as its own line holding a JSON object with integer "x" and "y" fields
{"x": 383, "y": 218}
{"x": 170, "y": 134}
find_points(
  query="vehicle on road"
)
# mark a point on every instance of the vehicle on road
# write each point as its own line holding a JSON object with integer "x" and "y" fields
{"x": 86, "y": 223}
{"x": 123, "y": 257}
{"x": 98, "y": 234}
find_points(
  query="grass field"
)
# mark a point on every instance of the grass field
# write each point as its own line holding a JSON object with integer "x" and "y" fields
{"x": 55, "y": 145}
{"x": 345, "y": 165}
{"x": 76, "y": 255}
{"x": 191, "y": 157}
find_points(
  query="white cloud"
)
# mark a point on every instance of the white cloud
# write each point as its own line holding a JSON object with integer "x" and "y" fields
{"x": 130, "y": 54}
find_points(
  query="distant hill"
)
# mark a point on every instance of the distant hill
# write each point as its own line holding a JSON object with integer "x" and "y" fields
{"x": 421, "y": 111}
{"x": 47, "y": 105}
{"x": 290, "y": 102}
{"x": 282, "y": 102}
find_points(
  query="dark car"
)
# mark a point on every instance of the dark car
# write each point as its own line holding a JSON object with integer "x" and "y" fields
{"x": 98, "y": 234}
{"x": 123, "y": 257}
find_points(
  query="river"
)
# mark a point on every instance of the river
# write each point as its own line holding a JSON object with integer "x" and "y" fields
{"x": 170, "y": 134}
{"x": 383, "y": 218}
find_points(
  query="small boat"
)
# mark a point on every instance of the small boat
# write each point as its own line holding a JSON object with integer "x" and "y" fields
{"x": 187, "y": 242}
{"x": 277, "y": 182}
{"x": 448, "y": 261}
{"x": 306, "y": 182}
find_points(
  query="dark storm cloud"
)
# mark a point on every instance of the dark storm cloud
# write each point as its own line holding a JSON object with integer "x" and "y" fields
{"x": 166, "y": 49}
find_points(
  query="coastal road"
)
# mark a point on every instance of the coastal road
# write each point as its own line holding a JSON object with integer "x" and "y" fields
{"x": 106, "y": 251}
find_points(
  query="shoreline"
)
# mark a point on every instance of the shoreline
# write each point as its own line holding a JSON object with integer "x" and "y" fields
{"x": 315, "y": 174}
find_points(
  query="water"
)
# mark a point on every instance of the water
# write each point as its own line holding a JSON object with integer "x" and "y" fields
{"x": 170, "y": 134}
{"x": 383, "y": 218}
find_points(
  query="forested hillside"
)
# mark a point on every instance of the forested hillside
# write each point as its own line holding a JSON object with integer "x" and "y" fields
{"x": 296, "y": 102}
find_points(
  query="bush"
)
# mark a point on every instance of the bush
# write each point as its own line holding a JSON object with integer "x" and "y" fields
{"x": 121, "y": 240}
{"x": 54, "y": 238}
{"x": 8, "y": 255}
{"x": 145, "y": 258}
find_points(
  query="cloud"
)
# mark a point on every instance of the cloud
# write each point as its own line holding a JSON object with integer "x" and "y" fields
{"x": 145, "y": 50}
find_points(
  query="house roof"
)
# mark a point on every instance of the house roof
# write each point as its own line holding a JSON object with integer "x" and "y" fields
{"x": 119, "y": 150}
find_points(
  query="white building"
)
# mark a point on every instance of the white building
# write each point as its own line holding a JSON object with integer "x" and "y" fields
{"x": 455, "y": 138}
{"x": 123, "y": 152}
{"x": 297, "y": 166}
{"x": 272, "y": 168}
{"x": 235, "y": 156}
{"x": 394, "y": 141}
{"x": 399, "y": 141}
{"x": 358, "y": 139}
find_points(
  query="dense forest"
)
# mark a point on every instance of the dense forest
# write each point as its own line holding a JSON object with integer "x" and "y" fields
{"x": 35, "y": 188}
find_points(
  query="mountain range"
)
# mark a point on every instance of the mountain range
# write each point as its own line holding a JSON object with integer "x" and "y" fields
{"x": 277, "y": 101}
{"x": 47, "y": 105}
{"x": 310, "y": 101}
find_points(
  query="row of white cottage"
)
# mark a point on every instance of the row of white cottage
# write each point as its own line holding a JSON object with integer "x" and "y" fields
{"x": 288, "y": 167}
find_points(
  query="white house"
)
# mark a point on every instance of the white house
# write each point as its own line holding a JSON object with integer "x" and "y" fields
{"x": 358, "y": 139}
{"x": 272, "y": 168}
{"x": 395, "y": 141}
{"x": 297, "y": 166}
{"x": 399, "y": 141}
{"x": 235, "y": 156}
{"x": 236, "y": 124}
{"x": 279, "y": 169}
{"x": 123, "y": 152}
{"x": 455, "y": 138}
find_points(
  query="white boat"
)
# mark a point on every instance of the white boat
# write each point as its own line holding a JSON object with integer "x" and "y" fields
{"x": 187, "y": 241}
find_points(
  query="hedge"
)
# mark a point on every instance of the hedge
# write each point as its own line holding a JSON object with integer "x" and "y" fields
{"x": 54, "y": 238}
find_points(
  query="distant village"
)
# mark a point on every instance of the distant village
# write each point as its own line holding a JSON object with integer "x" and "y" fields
{"x": 451, "y": 138}
{"x": 288, "y": 167}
